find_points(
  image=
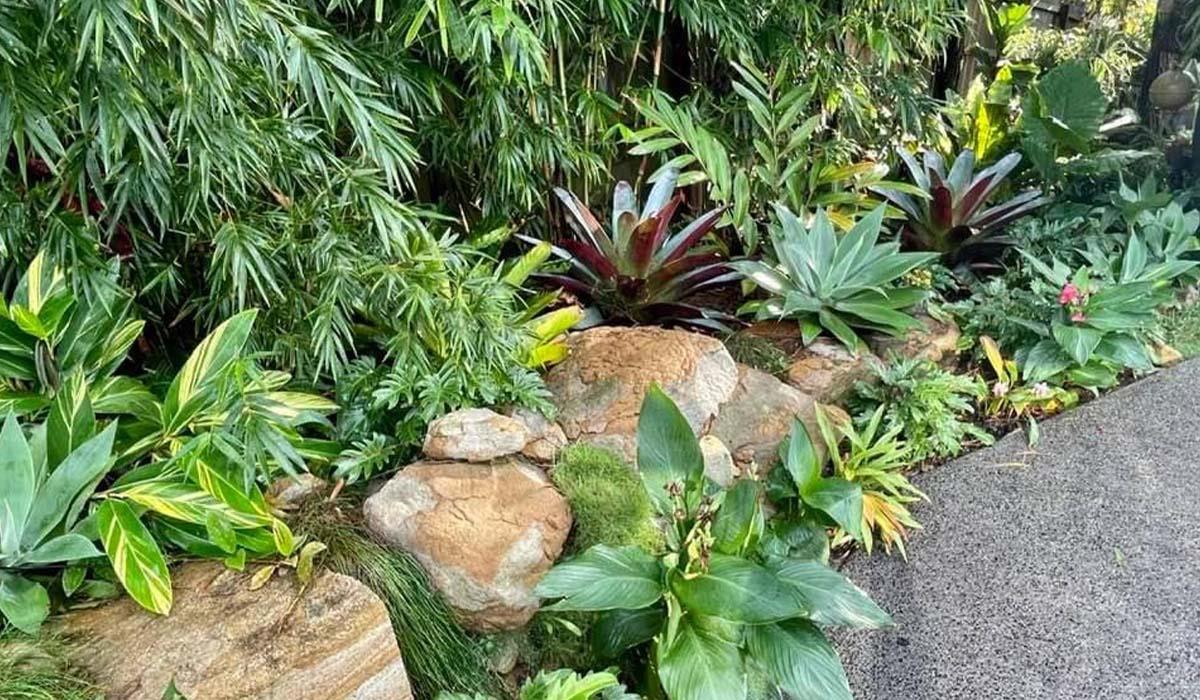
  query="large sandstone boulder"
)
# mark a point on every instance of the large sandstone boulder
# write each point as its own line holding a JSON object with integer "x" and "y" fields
{"x": 486, "y": 534}
{"x": 475, "y": 435}
{"x": 827, "y": 371}
{"x": 331, "y": 639}
{"x": 598, "y": 389}
{"x": 759, "y": 416}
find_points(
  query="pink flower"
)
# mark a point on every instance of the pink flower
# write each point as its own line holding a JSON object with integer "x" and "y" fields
{"x": 1069, "y": 295}
{"x": 1078, "y": 317}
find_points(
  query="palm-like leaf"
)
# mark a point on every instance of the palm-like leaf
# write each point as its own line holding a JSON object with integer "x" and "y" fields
{"x": 834, "y": 283}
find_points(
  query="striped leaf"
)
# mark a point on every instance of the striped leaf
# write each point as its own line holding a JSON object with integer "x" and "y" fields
{"x": 135, "y": 556}
{"x": 71, "y": 421}
{"x": 224, "y": 487}
{"x": 183, "y": 501}
{"x": 188, "y": 393}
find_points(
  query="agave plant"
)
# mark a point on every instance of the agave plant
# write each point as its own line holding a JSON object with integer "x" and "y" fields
{"x": 952, "y": 219}
{"x": 832, "y": 283}
{"x": 639, "y": 271}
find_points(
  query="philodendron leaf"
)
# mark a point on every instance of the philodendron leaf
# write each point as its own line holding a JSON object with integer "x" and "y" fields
{"x": 830, "y": 597}
{"x": 604, "y": 578}
{"x": 135, "y": 556}
{"x": 796, "y": 655}
{"x": 700, "y": 665}
{"x": 799, "y": 456}
{"x": 24, "y": 602}
{"x": 738, "y": 590}
{"x": 840, "y": 500}
{"x": 668, "y": 451}
{"x": 1078, "y": 341}
{"x": 739, "y": 523}
{"x": 17, "y": 478}
{"x": 618, "y": 630}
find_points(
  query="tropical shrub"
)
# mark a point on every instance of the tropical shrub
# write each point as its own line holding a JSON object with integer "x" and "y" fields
{"x": 951, "y": 217}
{"x": 1098, "y": 328}
{"x": 835, "y": 283}
{"x": 716, "y": 601}
{"x": 639, "y": 271}
{"x": 875, "y": 460}
{"x": 929, "y": 405}
{"x": 781, "y": 162}
{"x": 1009, "y": 396}
{"x": 1061, "y": 118}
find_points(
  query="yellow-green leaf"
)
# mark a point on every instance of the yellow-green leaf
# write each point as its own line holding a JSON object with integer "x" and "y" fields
{"x": 135, "y": 556}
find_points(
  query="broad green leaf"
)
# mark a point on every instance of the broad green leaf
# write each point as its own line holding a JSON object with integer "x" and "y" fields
{"x": 604, "y": 578}
{"x": 840, "y": 500}
{"x": 668, "y": 451}
{"x": 738, "y": 590}
{"x": 739, "y": 523}
{"x": 71, "y": 421}
{"x": 1078, "y": 341}
{"x": 617, "y": 630}
{"x": 700, "y": 665}
{"x": 304, "y": 562}
{"x": 799, "y": 456}
{"x": 220, "y": 532}
{"x": 25, "y": 603}
{"x": 135, "y": 557}
{"x": 796, "y": 655}
{"x": 17, "y": 477}
{"x": 214, "y": 354}
{"x": 830, "y": 597}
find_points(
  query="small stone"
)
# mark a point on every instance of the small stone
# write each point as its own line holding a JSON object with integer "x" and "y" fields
{"x": 718, "y": 463}
{"x": 933, "y": 340}
{"x": 222, "y": 641}
{"x": 486, "y": 534}
{"x": 546, "y": 438}
{"x": 474, "y": 435}
{"x": 827, "y": 371}
{"x": 504, "y": 650}
{"x": 1165, "y": 355}
{"x": 289, "y": 492}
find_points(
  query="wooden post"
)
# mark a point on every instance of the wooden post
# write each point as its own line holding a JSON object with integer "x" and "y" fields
{"x": 1160, "y": 46}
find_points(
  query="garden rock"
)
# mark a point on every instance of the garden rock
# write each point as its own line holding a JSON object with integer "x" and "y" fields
{"x": 475, "y": 435}
{"x": 934, "y": 340}
{"x": 486, "y": 534}
{"x": 546, "y": 439}
{"x": 827, "y": 371}
{"x": 289, "y": 492}
{"x": 330, "y": 639}
{"x": 759, "y": 416}
{"x": 598, "y": 389}
{"x": 718, "y": 463}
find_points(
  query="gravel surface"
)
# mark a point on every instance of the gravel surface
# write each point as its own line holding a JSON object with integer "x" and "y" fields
{"x": 1071, "y": 570}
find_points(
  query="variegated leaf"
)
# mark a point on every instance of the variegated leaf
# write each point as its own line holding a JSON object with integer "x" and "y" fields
{"x": 135, "y": 556}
